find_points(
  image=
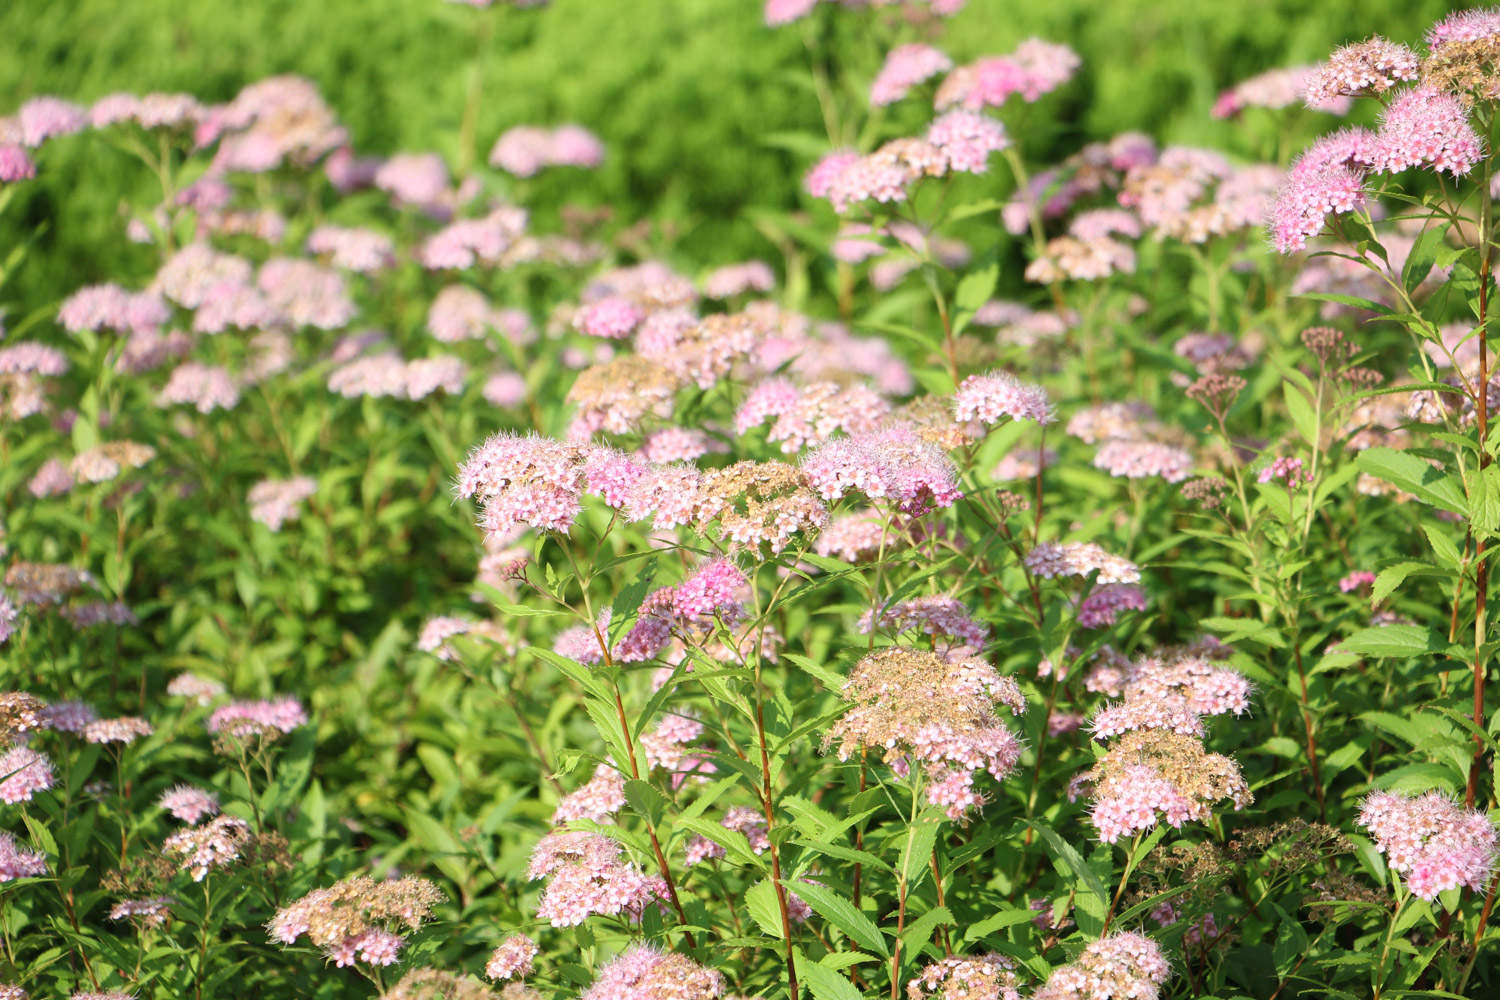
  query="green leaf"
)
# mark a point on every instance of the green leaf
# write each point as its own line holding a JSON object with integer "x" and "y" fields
{"x": 1304, "y": 417}
{"x": 842, "y": 914}
{"x": 645, "y": 800}
{"x": 1416, "y": 476}
{"x": 824, "y": 983}
{"x": 1070, "y": 862}
{"x": 1391, "y": 640}
{"x": 760, "y": 900}
{"x": 916, "y": 850}
{"x": 1422, "y": 256}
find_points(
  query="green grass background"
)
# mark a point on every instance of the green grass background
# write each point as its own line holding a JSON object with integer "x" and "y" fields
{"x": 685, "y": 92}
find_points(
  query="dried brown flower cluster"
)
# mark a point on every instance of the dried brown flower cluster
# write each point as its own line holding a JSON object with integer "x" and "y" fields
{"x": 1468, "y": 69}
{"x": 618, "y": 395}
{"x": 105, "y": 462}
{"x": 20, "y": 713}
{"x": 349, "y": 908}
{"x": 435, "y": 984}
{"x": 45, "y": 583}
{"x": 760, "y": 502}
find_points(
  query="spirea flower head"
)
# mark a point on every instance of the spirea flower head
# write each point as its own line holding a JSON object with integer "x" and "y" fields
{"x": 15, "y": 165}
{"x": 124, "y": 730}
{"x": 1070, "y": 258}
{"x": 43, "y": 118}
{"x": 511, "y": 958}
{"x": 1432, "y": 842}
{"x": 1112, "y": 421}
{"x": 204, "y": 387}
{"x": 523, "y": 480}
{"x": 935, "y": 615}
{"x": 23, "y": 773}
{"x": 104, "y": 462}
{"x": 1285, "y": 469}
{"x": 275, "y": 501}
{"x": 612, "y": 318}
{"x": 905, "y": 67}
{"x": 1326, "y": 180}
{"x": 779, "y": 12}
{"x": 757, "y": 503}
{"x": 416, "y": 179}
{"x": 359, "y": 919}
{"x": 1363, "y": 69}
{"x": 201, "y": 689}
{"x": 18, "y": 862}
{"x": 144, "y": 913}
{"x": 1053, "y": 559}
{"x": 28, "y": 357}
{"x": 739, "y": 279}
{"x": 189, "y": 804}
{"x": 618, "y": 395}
{"x": 1144, "y": 459}
{"x": 1034, "y": 69}
{"x": 22, "y": 713}
{"x": 216, "y": 844}
{"x": 1124, "y": 965}
{"x": 966, "y": 977}
{"x": 283, "y": 714}
{"x": 934, "y": 710}
{"x": 1360, "y": 579}
{"x": 587, "y": 874}
{"x": 987, "y": 398}
{"x": 967, "y": 139}
{"x": 598, "y": 799}
{"x": 891, "y": 464}
{"x": 1103, "y": 605}
{"x": 1425, "y": 127}
{"x": 642, "y": 972}
{"x": 1179, "y": 676}
{"x": 1276, "y": 89}
{"x": 1464, "y": 26}
{"x": 1155, "y": 775}
{"x": 819, "y": 180}
{"x": 353, "y": 249}
{"x": 526, "y": 149}
{"x": 110, "y": 307}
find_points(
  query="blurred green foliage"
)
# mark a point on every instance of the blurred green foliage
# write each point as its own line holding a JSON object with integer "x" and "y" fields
{"x": 685, "y": 92}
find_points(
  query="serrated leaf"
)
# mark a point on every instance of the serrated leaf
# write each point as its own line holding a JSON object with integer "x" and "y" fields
{"x": 760, "y": 901}
{"x": 1390, "y": 640}
{"x": 824, "y": 983}
{"x": 1416, "y": 476}
{"x": 842, "y": 914}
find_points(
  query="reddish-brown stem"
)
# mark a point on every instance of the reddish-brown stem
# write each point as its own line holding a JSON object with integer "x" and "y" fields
{"x": 937, "y": 878}
{"x": 661, "y": 859}
{"x": 1307, "y": 723}
{"x": 1481, "y": 570}
{"x": 765, "y": 801}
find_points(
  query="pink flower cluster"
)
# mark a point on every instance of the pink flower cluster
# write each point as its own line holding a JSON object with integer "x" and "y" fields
{"x": 23, "y": 773}
{"x": 526, "y": 150}
{"x": 1050, "y": 560}
{"x": 1125, "y": 964}
{"x": 18, "y": 862}
{"x": 1103, "y": 605}
{"x": 905, "y": 67}
{"x": 891, "y": 464}
{"x": 1144, "y": 459}
{"x": 587, "y": 875}
{"x": 642, "y": 972}
{"x": 512, "y": 958}
{"x": 935, "y": 615}
{"x": 1034, "y": 69}
{"x": 275, "y": 501}
{"x": 598, "y": 799}
{"x": 988, "y": 398}
{"x": 1431, "y": 841}
{"x": 284, "y": 714}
